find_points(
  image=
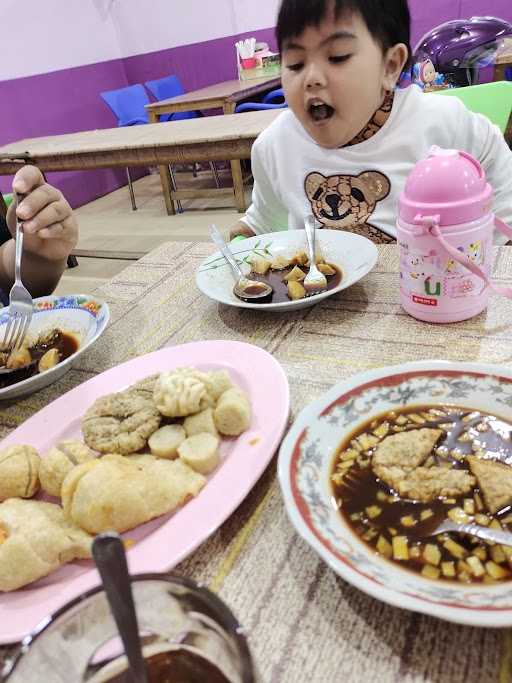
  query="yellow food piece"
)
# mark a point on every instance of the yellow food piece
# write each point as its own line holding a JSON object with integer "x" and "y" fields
{"x": 200, "y": 452}
{"x": 400, "y": 548}
{"x": 19, "y": 472}
{"x": 382, "y": 430}
{"x": 448, "y": 569}
{"x": 415, "y": 552}
{"x": 495, "y": 571}
{"x": 481, "y": 553}
{"x": 295, "y": 275}
{"x": 382, "y": 496}
{"x": 296, "y": 291}
{"x": 392, "y": 531}
{"x": 49, "y": 360}
{"x": 469, "y": 506}
{"x": 425, "y": 514}
{"x": 417, "y": 419}
{"x": 384, "y": 547}
{"x": 408, "y": 521}
{"x": 497, "y": 554}
{"x": 475, "y": 565}
{"x": 300, "y": 258}
{"x": 478, "y": 502}
{"x": 432, "y": 554}
{"x": 279, "y": 263}
{"x": 455, "y": 549}
{"x": 458, "y": 515}
{"x": 367, "y": 441}
{"x": 165, "y": 441}
{"x": 430, "y": 572}
{"x": 483, "y": 520}
{"x": 18, "y": 358}
{"x": 507, "y": 551}
{"x": 232, "y": 414}
{"x": 259, "y": 265}
{"x": 326, "y": 269}
{"x": 464, "y": 577}
{"x": 373, "y": 511}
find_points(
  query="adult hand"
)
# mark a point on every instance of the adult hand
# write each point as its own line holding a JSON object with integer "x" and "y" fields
{"x": 50, "y": 228}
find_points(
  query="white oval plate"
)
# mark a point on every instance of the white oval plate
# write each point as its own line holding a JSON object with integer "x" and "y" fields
{"x": 355, "y": 255}
{"x": 305, "y": 462}
{"x": 84, "y": 316}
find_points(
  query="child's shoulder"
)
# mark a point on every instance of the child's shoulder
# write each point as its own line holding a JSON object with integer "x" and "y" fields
{"x": 413, "y": 101}
{"x": 283, "y": 127}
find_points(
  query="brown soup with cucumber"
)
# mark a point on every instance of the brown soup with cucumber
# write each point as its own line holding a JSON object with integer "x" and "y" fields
{"x": 396, "y": 479}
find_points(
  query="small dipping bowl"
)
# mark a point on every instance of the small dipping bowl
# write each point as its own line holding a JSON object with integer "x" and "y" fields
{"x": 80, "y": 641}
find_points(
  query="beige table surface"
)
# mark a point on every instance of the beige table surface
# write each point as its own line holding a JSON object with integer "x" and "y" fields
{"x": 304, "y": 622}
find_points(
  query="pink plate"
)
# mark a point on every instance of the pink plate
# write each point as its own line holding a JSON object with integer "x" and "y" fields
{"x": 161, "y": 544}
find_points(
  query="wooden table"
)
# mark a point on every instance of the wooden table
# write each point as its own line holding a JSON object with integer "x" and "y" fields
{"x": 304, "y": 622}
{"x": 212, "y": 138}
{"x": 224, "y": 95}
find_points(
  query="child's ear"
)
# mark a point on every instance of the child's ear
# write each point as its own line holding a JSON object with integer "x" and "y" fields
{"x": 394, "y": 62}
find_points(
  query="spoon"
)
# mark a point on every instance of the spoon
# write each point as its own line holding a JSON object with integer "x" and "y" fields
{"x": 110, "y": 558}
{"x": 244, "y": 288}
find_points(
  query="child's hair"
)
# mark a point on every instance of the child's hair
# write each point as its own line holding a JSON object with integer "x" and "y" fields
{"x": 388, "y": 21}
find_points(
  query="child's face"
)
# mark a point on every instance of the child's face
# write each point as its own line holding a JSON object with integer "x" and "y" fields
{"x": 335, "y": 76}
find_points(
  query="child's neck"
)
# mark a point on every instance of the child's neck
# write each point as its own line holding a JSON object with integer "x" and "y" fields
{"x": 376, "y": 122}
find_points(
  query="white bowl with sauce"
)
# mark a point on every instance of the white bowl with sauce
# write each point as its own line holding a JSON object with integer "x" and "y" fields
{"x": 80, "y": 317}
{"x": 352, "y": 254}
{"x": 308, "y": 455}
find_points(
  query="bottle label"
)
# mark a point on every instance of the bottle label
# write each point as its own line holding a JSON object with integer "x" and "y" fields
{"x": 431, "y": 278}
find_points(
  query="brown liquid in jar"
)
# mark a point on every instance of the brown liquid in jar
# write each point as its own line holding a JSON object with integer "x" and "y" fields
{"x": 177, "y": 666}
{"x": 274, "y": 278}
{"x": 366, "y": 490}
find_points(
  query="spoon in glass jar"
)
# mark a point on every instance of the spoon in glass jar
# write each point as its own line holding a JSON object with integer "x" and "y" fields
{"x": 245, "y": 289}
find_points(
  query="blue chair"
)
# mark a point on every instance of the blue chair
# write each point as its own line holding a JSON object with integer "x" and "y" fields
{"x": 170, "y": 86}
{"x": 272, "y": 100}
{"x": 128, "y": 106}
{"x": 275, "y": 97}
{"x": 165, "y": 88}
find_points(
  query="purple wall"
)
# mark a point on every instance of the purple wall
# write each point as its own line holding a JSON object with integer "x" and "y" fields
{"x": 67, "y": 101}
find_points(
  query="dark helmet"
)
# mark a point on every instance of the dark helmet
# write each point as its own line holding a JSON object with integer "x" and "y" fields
{"x": 459, "y": 48}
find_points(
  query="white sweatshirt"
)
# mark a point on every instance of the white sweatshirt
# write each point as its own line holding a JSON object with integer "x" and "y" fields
{"x": 357, "y": 188}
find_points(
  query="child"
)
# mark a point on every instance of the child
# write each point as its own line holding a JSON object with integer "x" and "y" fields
{"x": 50, "y": 233}
{"x": 346, "y": 145}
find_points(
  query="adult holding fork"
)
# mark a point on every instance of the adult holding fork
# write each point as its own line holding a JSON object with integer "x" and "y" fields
{"x": 50, "y": 234}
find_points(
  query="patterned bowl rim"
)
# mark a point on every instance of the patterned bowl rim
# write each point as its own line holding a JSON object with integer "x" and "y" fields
{"x": 97, "y": 309}
{"x": 299, "y": 512}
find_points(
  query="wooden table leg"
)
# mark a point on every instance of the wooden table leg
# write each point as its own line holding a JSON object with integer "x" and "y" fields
{"x": 236, "y": 169}
{"x": 165, "y": 177}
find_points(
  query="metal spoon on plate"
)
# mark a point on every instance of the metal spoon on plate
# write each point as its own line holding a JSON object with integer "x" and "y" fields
{"x": 245, "y": 289}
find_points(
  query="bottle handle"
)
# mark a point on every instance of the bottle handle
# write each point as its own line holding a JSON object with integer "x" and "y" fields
{"x": 465, "y": 261}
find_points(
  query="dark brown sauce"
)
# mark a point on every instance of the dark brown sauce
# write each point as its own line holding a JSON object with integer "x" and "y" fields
{"x": 366, "y": 490}
{"x": 64, "y": 342}
{"x": 177, "y": 666}
{"x": 274, "y": 278}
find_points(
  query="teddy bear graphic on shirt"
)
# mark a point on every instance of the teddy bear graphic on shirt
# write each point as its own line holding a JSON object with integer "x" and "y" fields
{"x": 347, "y": 202}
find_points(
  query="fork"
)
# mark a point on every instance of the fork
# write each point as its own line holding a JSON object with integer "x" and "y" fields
{"x": 486, "y": 534}
{"x": 21, "y": 305}
{"x": 315, "y": 281}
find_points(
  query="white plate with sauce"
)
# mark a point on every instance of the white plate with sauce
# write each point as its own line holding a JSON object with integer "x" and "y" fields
{"x": 353, "y": 255}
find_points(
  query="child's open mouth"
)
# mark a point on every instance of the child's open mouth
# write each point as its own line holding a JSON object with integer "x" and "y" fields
{"x": 320, "y": 111}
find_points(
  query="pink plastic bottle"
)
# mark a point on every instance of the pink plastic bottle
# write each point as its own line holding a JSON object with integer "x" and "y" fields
{"x": 445, "y": 236}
